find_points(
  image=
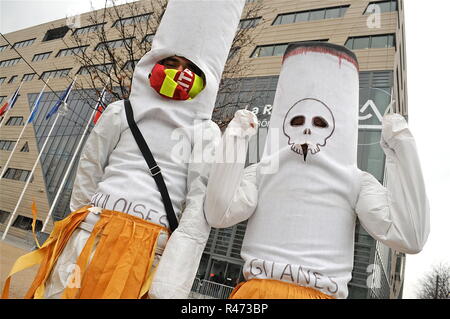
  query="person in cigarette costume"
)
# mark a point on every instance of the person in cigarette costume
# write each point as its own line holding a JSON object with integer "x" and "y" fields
{"x": 299, "y": 240}
{"x": 111, "y": 245}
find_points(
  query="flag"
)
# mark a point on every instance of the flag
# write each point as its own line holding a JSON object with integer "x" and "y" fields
{"x": 33, "y": 224}
{"x": 101, "y": 106}
{"x": 61, "y": 99}
{"x": 35, "y": 109}
{"x": 10, "y": 103}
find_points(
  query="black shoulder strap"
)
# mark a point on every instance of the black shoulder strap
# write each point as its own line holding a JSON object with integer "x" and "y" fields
{"x": 155, "y": 171}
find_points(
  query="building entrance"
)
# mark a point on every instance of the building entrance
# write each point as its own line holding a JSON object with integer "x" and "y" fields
{"x": 224, "y": 272}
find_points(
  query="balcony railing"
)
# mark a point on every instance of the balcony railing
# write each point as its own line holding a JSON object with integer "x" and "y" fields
{"x": 205, "y": 289}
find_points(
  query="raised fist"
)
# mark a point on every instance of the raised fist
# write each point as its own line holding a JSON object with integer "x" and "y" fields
{"x": 394, "y": 128}
{"x": 244, "y": 124}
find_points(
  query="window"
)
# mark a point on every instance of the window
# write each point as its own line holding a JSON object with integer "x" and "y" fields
{"x": 249, "y": 23}
{"x": 361, "y": 43}
{"x": 22, "y": 44}
{"x": 132, "y": 20}
{"x": 333, "y": 13}
{"x": 15, "y": 121}
{"x": 41, "y": 56}
{"x": 317, "y": 15}
{"x": 311, "y": 15}
{"x": 3, "y": 48}
{"x": 25, "y": 148}
{"x": 55, "y": 74}
{"x": 9, "y": 62}
{"x": 17, "y": 174}
{"x": 87, "y": 29}
{"x": 384, "y": 6}
{"x": 148, "y": 38}
{"x": 25, "y": 223}
{"x": 301, "y": 16}
{"x": 371, "y": 42}
{"x": 2, "y": 80}
{"x": 130, "y": 65}
{"x": 102, "y": 68}
{"x": 72, "y": 51}
{"x": 274, "y": 49}
{"x": 4, "y": 216}
{"x": 279, "y": 50}
{"x": 56, "y": 33}
{"x": 28, "y": 76}
{"x": 6, "y": 145}
{"x": 113, "y": 44}
{"x": 12, "y": 79}
{"x": 380, "y": 42}
{"x": 263, "y": 51}
{"x": 233, "y": 52}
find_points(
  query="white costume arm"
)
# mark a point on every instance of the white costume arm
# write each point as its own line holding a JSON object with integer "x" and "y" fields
{"x": 231, "y": 195}
{"x": 181, "y": 257}
{"x": 94, "y": 157}
{"x": 397, "y": 215}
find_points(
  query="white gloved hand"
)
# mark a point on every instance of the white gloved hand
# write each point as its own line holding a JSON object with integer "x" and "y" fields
{"x": 394, "y": 127}
{"x": 244, "y": 124}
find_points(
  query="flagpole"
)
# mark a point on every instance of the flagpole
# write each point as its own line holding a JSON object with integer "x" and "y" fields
{"x": 66, "y": 175}
{"x": 4, "y": 115}
{"x": 23, "y": 130}
{"x": 34, "y": 167}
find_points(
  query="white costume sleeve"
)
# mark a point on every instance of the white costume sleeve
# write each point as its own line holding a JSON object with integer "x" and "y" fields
{"x": 94, "y": 157}
{"x": 397, "y": 215}
{"x": 232, "y": 194}
{"x": 181, "y": 257}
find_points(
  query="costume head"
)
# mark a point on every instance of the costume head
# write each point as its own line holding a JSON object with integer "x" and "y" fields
{"x": 170, "y": 105}
{"x": 202, "y": 32}
{"x": 316, "y": 104}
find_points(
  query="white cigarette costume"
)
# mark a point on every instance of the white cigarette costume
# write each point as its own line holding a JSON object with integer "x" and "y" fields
{"x": 113, "y": 174}
{"x": 301, "y": 219}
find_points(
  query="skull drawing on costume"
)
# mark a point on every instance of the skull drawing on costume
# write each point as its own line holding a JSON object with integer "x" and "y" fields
{"x": 301, "y": 219}
{"x": 308, "y": 124}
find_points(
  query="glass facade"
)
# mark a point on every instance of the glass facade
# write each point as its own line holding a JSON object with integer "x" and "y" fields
{"x": 371, "y": 269}
{"x": 62, "y": 143}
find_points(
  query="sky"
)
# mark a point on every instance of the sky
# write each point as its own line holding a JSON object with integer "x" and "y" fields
{"x": 14, "y": 17}
{"x": 428, "y": 67}
{"x": 428, "y": 70}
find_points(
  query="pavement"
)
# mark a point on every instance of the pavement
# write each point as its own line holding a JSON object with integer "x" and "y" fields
{"x": 10, "y": 250}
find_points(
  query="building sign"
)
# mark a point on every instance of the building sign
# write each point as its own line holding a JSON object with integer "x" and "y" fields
{"x": 263, "y": 114}
{"x": 378, "y": 103}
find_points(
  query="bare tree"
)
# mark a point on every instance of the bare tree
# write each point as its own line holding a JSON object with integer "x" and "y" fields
{"x": 117, "y": 50}
{"x": 236, "y": 68}
{"x": 436, "y": 283}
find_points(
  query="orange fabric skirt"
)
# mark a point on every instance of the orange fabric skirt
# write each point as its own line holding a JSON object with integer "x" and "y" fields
{"x": 274, "y": 289}
{"x": 120, "y": 266}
